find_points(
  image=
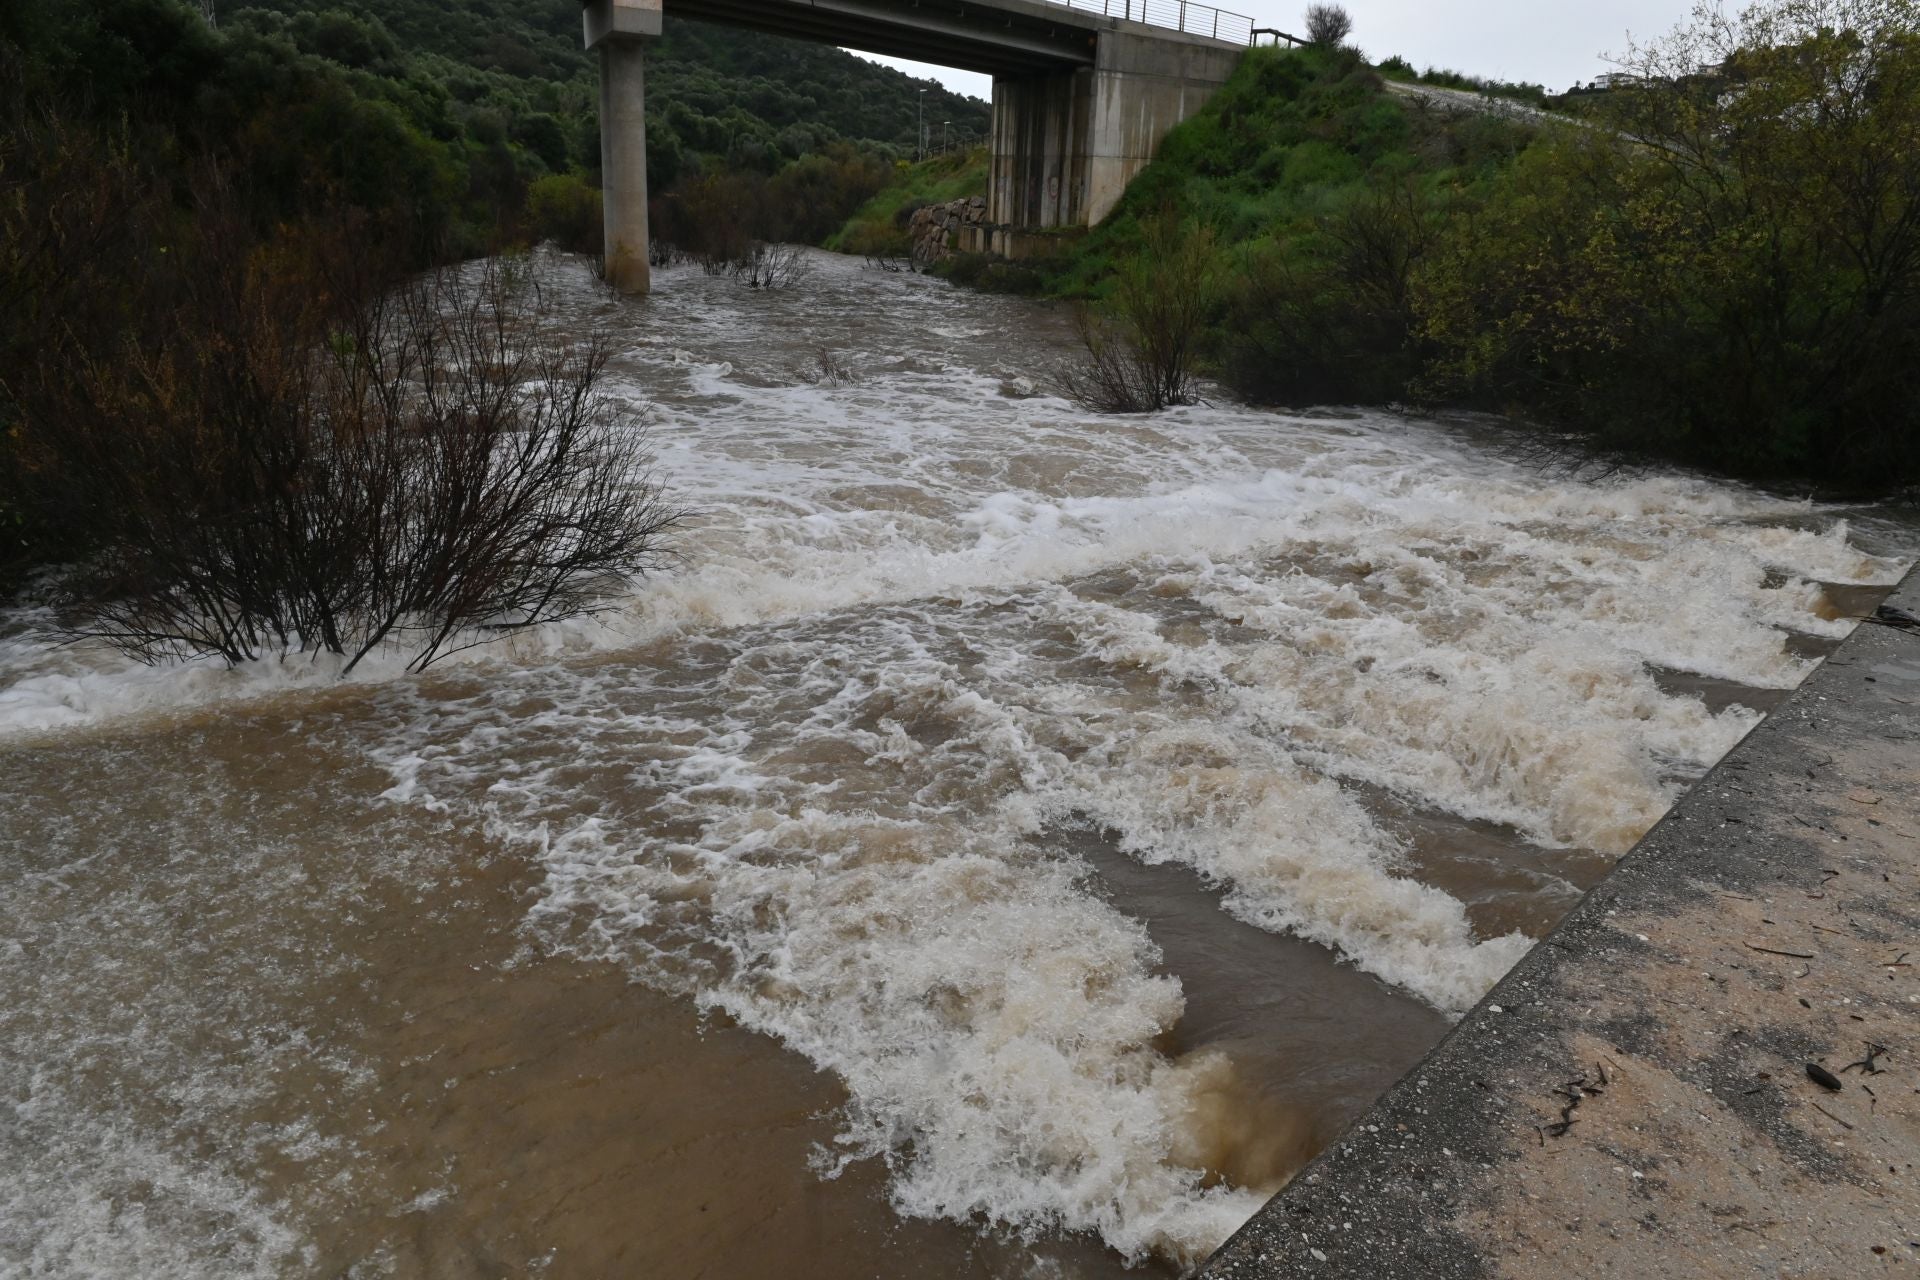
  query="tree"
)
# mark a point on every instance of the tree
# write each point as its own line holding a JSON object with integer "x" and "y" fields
{"x": 1730, "y": 273}
{"x": 1328, "y": 25}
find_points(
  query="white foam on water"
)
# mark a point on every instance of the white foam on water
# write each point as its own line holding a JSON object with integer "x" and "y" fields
{"x": 810, "y": 778}
{"x": 993, "y": 1020}
{"x": 100, "y": 1197}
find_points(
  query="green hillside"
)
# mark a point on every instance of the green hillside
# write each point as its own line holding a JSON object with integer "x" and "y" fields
{"x": 715, "y": 95}
{"x": 445, "y": 114}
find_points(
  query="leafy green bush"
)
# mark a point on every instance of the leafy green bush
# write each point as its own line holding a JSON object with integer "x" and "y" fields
{"x": 563, "y": 208}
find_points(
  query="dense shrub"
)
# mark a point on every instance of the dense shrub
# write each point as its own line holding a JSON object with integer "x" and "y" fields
{"x": 1739, "y": 284}
{"x": 1330, "y": 316}
{"x": 561, "y": 207}
{"x": 716, "y": 218}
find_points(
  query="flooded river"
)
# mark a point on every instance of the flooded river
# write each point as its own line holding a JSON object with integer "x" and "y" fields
{"x": 1008, "y": 843}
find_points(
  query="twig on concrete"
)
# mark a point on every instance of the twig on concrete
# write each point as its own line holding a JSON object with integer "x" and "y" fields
{"x": 1829, "y": 1115}
{"x": 1867, "y": 1064}
{"x": 1774, "y": 951}
{"x": 1574, "y": 1091}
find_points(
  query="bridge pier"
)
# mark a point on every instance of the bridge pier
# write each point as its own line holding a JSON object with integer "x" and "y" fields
{"x": 619, "y": 30}
{"x": 1067, "y": 142}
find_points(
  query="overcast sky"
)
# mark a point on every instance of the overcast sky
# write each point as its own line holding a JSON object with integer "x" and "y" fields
{"x": 1550, "y": 42}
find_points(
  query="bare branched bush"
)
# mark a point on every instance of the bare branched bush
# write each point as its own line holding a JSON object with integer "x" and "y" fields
{"x": 1110, "y": 378}
{"x": 307, "y": 465}
{"x": 774, "y": 266}
{"x": 1141, "y": 350}
{"x": 712, "y": 220}
{"x": 1328, "y": 25}
{"x": 828, "y": 370}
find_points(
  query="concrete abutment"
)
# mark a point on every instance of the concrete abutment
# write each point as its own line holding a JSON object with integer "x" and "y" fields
{"x": 1066, "y": 143}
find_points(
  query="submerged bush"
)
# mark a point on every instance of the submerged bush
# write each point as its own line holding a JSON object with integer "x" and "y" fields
{"x": 773, "y": 266}
{"x": 1142, "y": 347}
{"x": 435, "y": 477}
{"x": 262, "y": 447}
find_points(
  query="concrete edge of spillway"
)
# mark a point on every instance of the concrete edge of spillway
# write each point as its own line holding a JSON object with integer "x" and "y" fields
{"x": 1643, "y": 1095}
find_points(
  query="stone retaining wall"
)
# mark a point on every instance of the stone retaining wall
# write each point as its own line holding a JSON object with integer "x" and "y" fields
{"x": 935, "y": 230}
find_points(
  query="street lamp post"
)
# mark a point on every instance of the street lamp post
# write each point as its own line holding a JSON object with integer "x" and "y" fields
{"x": 920, "y": 127}
{"x": 946, "y": 136}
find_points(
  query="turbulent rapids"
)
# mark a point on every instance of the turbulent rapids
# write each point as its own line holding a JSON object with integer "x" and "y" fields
{"x": 1008, "y": 842}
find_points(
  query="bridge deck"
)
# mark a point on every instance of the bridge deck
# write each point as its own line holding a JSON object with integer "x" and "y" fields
{"x": 996, "y": 37}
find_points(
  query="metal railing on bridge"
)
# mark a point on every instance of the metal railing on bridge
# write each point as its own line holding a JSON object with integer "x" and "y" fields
{"x": 1179, "y": 15}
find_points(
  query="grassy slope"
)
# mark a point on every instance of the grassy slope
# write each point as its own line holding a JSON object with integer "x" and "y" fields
{"x": 1293, "y": 138}
{"x": 880, "y": 225}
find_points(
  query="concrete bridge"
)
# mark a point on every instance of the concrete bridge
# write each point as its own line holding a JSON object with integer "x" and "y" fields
{"x": 1083, "y": 91}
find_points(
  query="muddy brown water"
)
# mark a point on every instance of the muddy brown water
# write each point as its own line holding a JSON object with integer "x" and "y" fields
{"x": 1008, "y": 845}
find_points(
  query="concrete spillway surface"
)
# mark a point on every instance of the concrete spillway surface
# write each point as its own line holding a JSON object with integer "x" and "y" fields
{"x": 1711, "y": 1068}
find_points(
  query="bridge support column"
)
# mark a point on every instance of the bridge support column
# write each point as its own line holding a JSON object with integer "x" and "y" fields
{"x": 1066, "y": 143}
{"x": 1040, "y": 148}
{"x": 618, "y": 29}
